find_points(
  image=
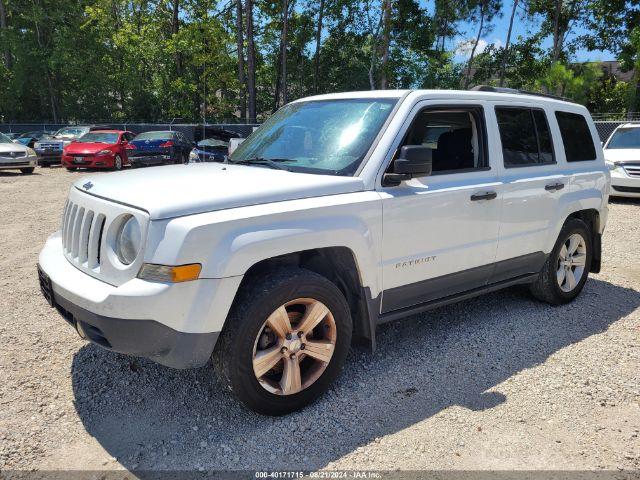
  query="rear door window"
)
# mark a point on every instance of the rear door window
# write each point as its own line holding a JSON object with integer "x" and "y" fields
{"x": 525, "y": 136}
{"x": 576, "y": 136}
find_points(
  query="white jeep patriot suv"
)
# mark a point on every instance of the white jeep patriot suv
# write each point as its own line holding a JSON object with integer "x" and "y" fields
{"x": 341, "y": 212}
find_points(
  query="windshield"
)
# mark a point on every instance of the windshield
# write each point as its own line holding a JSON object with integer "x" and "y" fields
{"x": 213, "y": 142}
{"x": 318, "y": 136}
{"x": 71, "y": 132}
{"x": 99, "y": 137}
{"x": 625, "y": 138}
{"x": 155, "y": 136}
{"x": 5, "y": 139}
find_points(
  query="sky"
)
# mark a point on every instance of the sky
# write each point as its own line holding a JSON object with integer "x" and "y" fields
{"x": 520, "y": 28}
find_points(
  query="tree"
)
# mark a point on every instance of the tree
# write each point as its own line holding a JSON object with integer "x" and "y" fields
{"x": 485, "y": 11}
{"x": 242, "y": 95}
{"x": 503, "y": 63}
{"x": 316, "y": 57}
{"x": 251, "y": 63}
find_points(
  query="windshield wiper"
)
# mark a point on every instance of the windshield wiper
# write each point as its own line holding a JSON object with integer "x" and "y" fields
{"x": 274, "y": 163}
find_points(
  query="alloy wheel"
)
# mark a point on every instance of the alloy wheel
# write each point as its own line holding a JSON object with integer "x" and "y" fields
{"x": 571, "y": 262}
{"x": 294, "y": 346}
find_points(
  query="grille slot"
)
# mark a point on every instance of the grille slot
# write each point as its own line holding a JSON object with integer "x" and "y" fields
{"x": 11, "y": 155}
{"x": 82, "y": 229}
{"x": 632, "y": 170}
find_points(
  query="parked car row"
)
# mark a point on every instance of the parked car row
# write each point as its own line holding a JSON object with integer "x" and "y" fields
{"x": 94, "y": 146}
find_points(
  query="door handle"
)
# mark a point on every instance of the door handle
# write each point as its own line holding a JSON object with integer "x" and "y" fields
{"x": 552, "y": 187}
{"x": 483, "y": 196}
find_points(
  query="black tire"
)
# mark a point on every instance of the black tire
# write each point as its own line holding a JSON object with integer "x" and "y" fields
{"x": 27, "y": 171}
{"x": 546, "y": 287}
{"x": 71, "y": 169}
{"x": 233, "y": 356}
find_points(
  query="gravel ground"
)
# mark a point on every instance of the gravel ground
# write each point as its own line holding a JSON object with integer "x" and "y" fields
{"x": 497, "y": 382}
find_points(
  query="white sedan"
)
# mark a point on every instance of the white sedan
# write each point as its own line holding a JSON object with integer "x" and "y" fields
{"x": 15, "y": 156}
{"x": 622, "y": 153}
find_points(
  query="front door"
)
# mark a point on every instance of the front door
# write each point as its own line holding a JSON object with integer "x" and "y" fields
{"x": 440, "y": 232}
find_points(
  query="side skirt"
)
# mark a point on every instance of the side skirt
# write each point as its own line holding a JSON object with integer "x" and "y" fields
{"x": 423, "y": 307}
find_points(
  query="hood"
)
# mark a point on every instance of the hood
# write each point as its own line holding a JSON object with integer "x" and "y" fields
{"x": 13, "y": 147}
{"x": 177, "y": 190}
{"x": 78, "y": 147}
{"x": 622, "y": 154}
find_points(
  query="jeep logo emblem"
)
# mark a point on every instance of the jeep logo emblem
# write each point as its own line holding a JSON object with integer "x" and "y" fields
{"x": 87, "y": 185}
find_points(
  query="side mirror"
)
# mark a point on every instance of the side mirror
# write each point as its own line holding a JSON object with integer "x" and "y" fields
{"x": 413, "y": 161}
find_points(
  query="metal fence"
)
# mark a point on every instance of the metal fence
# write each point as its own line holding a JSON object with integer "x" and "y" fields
{"x": 606, "y": 123}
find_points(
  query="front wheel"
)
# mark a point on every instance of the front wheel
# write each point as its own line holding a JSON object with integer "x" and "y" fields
{"x": 285, "y": 341}
{"x": 566, "y": 270}
{"x": 27, "y": 171}
{"x": 117, "y": 163}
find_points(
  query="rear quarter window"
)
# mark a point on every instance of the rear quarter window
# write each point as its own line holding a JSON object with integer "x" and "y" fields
{"x": 576, "y": 137}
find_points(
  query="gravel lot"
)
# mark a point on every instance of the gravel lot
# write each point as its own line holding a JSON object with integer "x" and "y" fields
{"x": 497, "y": 382}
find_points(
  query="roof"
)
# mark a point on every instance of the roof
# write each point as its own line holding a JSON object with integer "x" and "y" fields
{"x": 514, "y": 95}
{"x": 105, "y": 130}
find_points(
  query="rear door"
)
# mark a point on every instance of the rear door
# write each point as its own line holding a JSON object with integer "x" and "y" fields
{"x": 533, "y": 183}
{"x": 441, "y": 231}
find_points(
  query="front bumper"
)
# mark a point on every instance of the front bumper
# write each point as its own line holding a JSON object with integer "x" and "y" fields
{"x": 624, "y": 185}
{"x": 137, "y": 160}
{"x": 23, "y": 162}
{"x": 176, "y": 325}
{"x": 46, "y": 156}
{"x": 91, "y": 161}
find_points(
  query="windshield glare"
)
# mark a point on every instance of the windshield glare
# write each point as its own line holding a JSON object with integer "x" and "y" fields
{"x": 71, "y": 132}
{"x": 625, "y": 138}
{"x": 155, "y": 136}
{"x": 5, "y": 139}
{"x": 213, "y": 142}
{"x": 96, "y": 137}
{"x": 318, "y": 136}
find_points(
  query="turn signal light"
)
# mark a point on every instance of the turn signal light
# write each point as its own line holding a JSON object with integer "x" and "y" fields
{"x": 170, "y": 274}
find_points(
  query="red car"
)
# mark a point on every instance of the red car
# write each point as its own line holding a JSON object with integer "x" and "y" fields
{"x": 98, "y": 149}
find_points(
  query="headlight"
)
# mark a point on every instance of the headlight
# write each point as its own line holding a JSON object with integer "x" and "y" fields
{"x": 614, "y": 166}
{"x": 193, "y": 156}
{"x": 36, "y": 145}
{"x": 128, "y": 240}
{"x": 105, "y": 152}
{"x": 31, "y": 152}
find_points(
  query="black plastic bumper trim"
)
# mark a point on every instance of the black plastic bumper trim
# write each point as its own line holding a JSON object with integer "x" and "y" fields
{"x": 142, "y": 338}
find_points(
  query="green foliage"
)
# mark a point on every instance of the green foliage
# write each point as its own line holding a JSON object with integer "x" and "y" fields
{"x": 129, "y": 60}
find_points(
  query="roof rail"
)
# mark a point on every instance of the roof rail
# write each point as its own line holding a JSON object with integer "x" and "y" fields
{"x": 489, "y": 88}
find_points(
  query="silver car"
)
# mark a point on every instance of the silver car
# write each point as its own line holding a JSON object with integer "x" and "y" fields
{"x": 14, "y": 156}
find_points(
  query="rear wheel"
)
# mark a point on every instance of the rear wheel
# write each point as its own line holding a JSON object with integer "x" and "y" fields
{"x": 566, "y": 270}
{"x": 284, "y": 342}
{"x": 27, "y": 171}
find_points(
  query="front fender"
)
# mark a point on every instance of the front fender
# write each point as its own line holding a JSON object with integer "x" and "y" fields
{"x": 229, "y": 242}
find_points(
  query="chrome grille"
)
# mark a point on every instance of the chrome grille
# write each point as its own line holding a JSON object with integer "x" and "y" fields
{"x": 50, "y": 146}
{"x": 82, "y": 231}
{"x": 12, "y": 155}
{"x": 632, "y": 170}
